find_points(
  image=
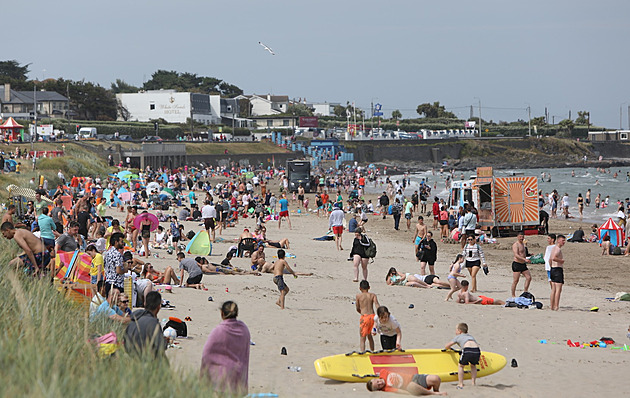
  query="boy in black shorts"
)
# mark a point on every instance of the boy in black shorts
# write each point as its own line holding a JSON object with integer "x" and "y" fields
{"x": 470, "y": 354}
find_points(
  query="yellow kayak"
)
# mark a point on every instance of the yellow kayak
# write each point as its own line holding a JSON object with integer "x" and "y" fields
{"x": 360, "y": 367}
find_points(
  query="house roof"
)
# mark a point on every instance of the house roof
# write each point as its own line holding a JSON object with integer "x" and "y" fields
{"x": 26, "y": 97}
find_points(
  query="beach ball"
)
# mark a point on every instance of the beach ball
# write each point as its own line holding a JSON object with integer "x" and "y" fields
{"x": 299, "y": 211}
{"x": 170, "y": 333}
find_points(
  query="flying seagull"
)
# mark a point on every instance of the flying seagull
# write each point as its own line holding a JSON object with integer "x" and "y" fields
{"x": 267, "y": 48}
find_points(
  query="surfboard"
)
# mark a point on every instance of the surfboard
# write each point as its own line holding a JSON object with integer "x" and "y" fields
{"x": 361, "y": 367}
{"x": 200, "y": 244}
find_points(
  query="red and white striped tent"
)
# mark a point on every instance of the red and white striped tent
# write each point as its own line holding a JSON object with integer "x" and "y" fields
{"x": 11, "y": 129}
{"x": 616, "y": 233}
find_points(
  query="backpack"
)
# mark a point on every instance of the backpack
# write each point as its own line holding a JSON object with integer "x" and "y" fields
{"x": 528, "y": 295}
{"x": 370, "y": 251}
{"x": 178, "y": 325}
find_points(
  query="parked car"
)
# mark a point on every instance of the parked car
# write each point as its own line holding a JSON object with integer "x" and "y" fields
{"x": 152, "y": 138}
{"x": 125, "y": 137}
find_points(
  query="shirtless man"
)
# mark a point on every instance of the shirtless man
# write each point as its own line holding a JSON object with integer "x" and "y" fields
{"x": 557, "y": 272}
{"x": 278, "y": 277}
{"x": 365, "y": 304}
{"x": 8, "y": 217}
{"x": 258, "y": 259}
{"x": 300, "y": 196}
{"x": 35, "y": 256}
{"x": 519, "y": 265}
{"x": 465, "y": 297}
{"x": 421, "y": 233}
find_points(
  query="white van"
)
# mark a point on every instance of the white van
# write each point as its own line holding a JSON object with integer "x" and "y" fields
{"x": 87, "y": 132}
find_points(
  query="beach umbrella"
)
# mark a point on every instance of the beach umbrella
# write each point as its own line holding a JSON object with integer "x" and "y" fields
{"x": 146, "y": 216}
{"x": 152, "y": 186}
{"x": 128, "y": 177}
{"x": 122, "y": 174}
{"x": 168, "y": 192}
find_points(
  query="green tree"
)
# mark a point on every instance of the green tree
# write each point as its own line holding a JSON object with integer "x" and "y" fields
{"x": 190, "y": 82}
{"x": 120, "y": 86}
{"x": 339, "y": 111}
{"x": 298, "y": 109}
{"x": 433, "y": 111}
{"x": 582, "y": 117}
{"x": 565, "y": 128}
{"x": 539, "y": 121}
{"x": 396, "y": 114}
{"x": 13, "y": 70}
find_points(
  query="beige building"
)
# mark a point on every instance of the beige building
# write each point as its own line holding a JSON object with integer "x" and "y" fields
{"x": 19, "y": 104}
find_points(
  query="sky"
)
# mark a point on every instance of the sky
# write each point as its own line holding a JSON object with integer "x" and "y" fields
{"x": 566, "y": 56}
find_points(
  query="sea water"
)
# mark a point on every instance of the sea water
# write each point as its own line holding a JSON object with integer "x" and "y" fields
{"x": 562, "y": 180}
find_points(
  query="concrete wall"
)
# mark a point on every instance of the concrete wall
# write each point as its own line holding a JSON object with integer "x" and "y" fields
{"x": 401, "y": 150}
{"x": 243, "y": 160}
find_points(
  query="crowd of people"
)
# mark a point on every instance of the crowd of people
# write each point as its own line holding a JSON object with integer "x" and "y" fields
{"x": 122, "y": 248}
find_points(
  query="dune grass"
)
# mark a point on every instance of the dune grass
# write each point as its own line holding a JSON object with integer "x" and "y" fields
{"x": 46, "y": 350}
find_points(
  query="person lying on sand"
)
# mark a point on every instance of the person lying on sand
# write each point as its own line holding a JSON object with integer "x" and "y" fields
{"x": 393, "y": 277}
{"x": 211, "y": 268}
{"x": 464, "y": 297}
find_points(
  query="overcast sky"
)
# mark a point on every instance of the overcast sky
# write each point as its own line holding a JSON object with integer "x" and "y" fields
{"x": 563, "y": 55}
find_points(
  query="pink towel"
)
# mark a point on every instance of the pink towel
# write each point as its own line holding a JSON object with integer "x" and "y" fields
{"x": 225, "y": 359}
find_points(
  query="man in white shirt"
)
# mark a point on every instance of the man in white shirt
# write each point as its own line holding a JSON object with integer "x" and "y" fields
{"x": 335, "y": 222}
{"x": 551, "y": 240}
{"x": 209, "y": 214}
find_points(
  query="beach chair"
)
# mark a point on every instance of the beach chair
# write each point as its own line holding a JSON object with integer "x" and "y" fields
{"x": 246, "y": 245}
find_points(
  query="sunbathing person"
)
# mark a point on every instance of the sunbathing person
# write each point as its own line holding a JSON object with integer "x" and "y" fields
{"x": 228, "y": 269}
{"x": 261, "y": 235}
{"x": 393, "y": 277}
{"x": 465, "y": 297}
{"x": 161, "y": 277}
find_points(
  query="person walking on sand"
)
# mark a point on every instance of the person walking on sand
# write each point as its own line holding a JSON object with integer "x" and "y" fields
{"x": 519, "y": 265}
{"x": 284, "y": 211}
{"x": 455, "y": 272}
{"x": 335, "y": 223}
{"x": 365, "y": 304}
{"x": 358, "y": 255}
{"x": 557, "y": 272}
{"x": 421, "y": 233}
{"x": 474, "y": 260}
{"x": 470, "y": 354}
{"x": 278, "y": 277}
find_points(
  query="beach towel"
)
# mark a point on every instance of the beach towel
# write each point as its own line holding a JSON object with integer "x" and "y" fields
{"x": 225, "y": 358}
{"x": 537, "y": 259}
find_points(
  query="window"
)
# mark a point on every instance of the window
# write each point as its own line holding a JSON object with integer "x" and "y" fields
{"x": 269, "y": 122}
{"x": 152, "y": 107}
{"x": 285, "y": 122}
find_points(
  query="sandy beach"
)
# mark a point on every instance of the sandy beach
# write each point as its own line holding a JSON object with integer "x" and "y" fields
{"x": 321, "y": 320}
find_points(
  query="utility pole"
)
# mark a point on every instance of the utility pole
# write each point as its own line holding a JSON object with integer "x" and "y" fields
{"x": 479, "y": 117}
{"x": 529, "y": 123}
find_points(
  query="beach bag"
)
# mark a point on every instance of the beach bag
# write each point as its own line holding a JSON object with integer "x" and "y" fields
{"x": 178, "y": 325}
{"x": 537, "y": 259}
{"x": 528, "y": 295}
{"x": 370, "y": 251}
